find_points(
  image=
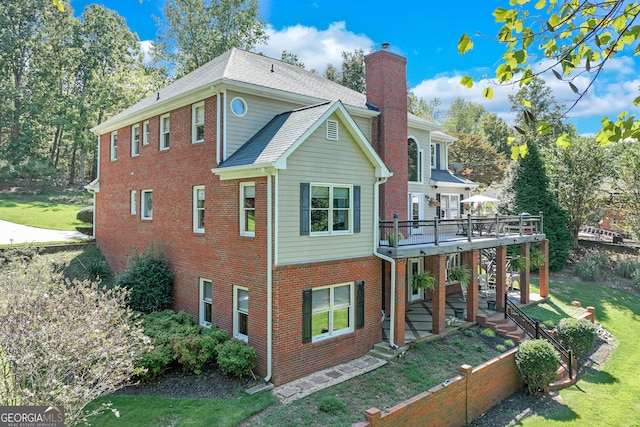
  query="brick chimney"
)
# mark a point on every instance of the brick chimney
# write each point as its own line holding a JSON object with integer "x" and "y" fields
{"x": 386, "y": 80}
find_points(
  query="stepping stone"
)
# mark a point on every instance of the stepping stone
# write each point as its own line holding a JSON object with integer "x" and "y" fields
{"x": 287, "y": 392}
{"x": 347, "y": 369}
{"x": 371, "y": 361}
{"x": 359, "y": 364}
{"x": 319, "y": 379}
{"x": 305, "y": 385}
{"x": 333, "y": 374}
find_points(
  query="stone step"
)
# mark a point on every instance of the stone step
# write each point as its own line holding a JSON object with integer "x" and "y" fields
{"x": 383, "y": 350}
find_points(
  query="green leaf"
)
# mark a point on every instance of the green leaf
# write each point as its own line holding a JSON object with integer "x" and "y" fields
{"x": 563, "y": 141}
{"x": 488, "y": 93}
{"x": 526, "y": 103}
{"x": 557, "y": 74}
{"x": 59, "y": 5}
{"x": 519, "y": 130}
{"x": 588, "y": 65}
{"x": 540, "y": 4}
{"x": 467, "y": 81}
{"x": 574, "y": 88}
{"x": 636, "y": 101}
{"x": 465, "y": 44}
{"x": 500, "y": 14}
{"x": 544, "y": 128}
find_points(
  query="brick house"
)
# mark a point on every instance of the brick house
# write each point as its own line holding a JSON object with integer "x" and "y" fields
{"x": 269, "y": 188}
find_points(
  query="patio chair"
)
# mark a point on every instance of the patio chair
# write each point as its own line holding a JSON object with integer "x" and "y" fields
{"x": 483, "y": 280}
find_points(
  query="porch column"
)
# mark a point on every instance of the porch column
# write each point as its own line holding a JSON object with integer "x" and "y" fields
{"x": 501, "y": 276}
{"x": 401, "y": 299}
{"x": 544, "y": 269}
{"x": 525, "y": 251}
{"x": 437, "y": 266}
{"x": 472, "y": 261}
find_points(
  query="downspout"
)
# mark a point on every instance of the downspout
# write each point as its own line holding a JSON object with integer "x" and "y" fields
{"x": 94, "y": 193}
{"x": 269, "y": 273}
{"x": 218, "y": 115}
{"x": 376, "y": 242}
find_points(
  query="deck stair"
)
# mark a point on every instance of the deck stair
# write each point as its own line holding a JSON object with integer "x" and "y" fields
{"x": 503, "y": 327}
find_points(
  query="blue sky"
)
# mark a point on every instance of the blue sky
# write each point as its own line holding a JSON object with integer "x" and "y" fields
{"x": 424, "y": 31}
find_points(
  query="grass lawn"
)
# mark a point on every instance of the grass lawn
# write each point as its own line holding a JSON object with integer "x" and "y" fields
{"x": 608, "y": 397}
{"x": 142, "y": 411}
{"x": 56, "y": 211}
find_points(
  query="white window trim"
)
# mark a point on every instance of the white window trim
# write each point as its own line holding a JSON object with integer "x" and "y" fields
{"x": 142, "y": 204}
{"x": 135, "y": 143}
{"x": 445, "y": 208}
{"x": 134, "y": 202}
{"x": 332, "y": 130}
{"x": 165, "y": 142}
{"x": 420, "y": 167}
{"x": 433, "y": 156}
{"x": 237, "y": 334}
{"x": 243, "y": 231}
{"x": 331, "y": 231}
{"x": 331, "y": 333}
{"x": 204, "y": 301}
{"x": 113, "y": 146}
{"x": 196, "y": 189}
{"x": 145, "y": 132}
{"x": 194, "y": 124}
{"x": 244, "y": 103}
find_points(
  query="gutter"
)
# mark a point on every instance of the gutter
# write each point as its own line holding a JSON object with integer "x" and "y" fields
{"x": 269, "y": 273}
{"x": 376, "y": 241}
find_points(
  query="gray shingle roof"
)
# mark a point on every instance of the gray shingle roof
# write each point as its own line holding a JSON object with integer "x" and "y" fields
{"x": 276, "y": 137}
{"x": 447, "y": 177}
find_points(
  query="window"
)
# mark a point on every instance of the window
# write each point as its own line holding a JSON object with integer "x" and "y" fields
{"x": 433, "y": 156}
{"x": 205, "y": 302}
{"x": 247, "y": 209}
{"x": 239, "y": 107}
{"x": 145, "y": 132}
{"x": 197, "y": 123}
{"x": 240, "y": 313}
{"x": 332, "y": 130}
{"x": 146, "y": 201}
{"x": 114, "y": 146}
{"x": 330, "y": 209}
{"x": 449, "y": 205}
{"x": 198, "y": 209}
{"x": 164, "y": 131}
{"x": 134, "y": 202}
{"x": 135, "y": 140}
{"x": 331, "y": 311}
{"x": 415, "y": 161}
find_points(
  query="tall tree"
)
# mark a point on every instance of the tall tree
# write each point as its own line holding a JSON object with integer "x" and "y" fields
{"x": 482, "y": 162}
{"x": 526, "y": 189}
{"x": 577, "y": 172}
{"x": 577, "y": 37}
{"x": 497, "y": 132}
{"x": 427, "y": 110}
{"x": 628, "y": 174}
{"x": 463, "y": 117}
{"x": 291, "y": 58}
{"x": 193, "y": 32}
{"x": 353, "y": 70}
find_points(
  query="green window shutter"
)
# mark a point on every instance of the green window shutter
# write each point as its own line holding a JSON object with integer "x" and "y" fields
{"x": 437, "y": 156}
{"x": 356, "y": 208}
{"x": 306, "y": 315}
{"x": 305, "y": 208}
{"x": 360, "y": 304}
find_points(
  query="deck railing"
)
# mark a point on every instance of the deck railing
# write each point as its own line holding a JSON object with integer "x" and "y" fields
{"x": 532, "y": 328}
{"x": 435, "y": 231}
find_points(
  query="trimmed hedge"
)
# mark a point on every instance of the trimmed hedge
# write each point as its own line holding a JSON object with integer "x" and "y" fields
{"x": 537, "y": 362}
{"x": 85, "y": 215}
{"x": 577, "y": 335}
{"x": 236, "y": 357}
{"x": 149, "y": 281}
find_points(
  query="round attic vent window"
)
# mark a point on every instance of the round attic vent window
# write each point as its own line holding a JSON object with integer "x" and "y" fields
{"x": 239, "y": 107}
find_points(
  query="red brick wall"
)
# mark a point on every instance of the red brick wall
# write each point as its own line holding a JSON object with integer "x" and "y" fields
{"x": 291, "y": 358}
{"x": 386, "y": 79}
{"x": 466, "y": 397}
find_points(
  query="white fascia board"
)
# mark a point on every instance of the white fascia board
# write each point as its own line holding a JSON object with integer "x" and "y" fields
{"x": 244, "y": 171}
{"x": 445, "y": 184}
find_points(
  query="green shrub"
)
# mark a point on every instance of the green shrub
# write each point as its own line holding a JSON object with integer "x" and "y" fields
{"x": 85, "y": 215}
{"x": 537, "y": 362}
{"x": 98, "y": 270}
{"x": 194, "y": 351}
{"x": 332, "y": 405}
{"x": 509, "y": 343}
{"x": 468, "y": 333}
{"x": 488, "y": 332}
{"x": 149, "y": 281}
{"x": 577, "y": 335}
{"x": 501, "y": 348}
{"x": 163, "y": 327}
{"x": 236, "y": 357}
{"x": 627, "y": 267}
{"x": 636, "y": 279}
{"x": 590, "y": 265}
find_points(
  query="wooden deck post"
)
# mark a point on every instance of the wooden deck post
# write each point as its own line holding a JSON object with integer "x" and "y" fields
{"x": 525, "y": 251}
{"x": 501, "y": 276}
{"x": 544, "y": 269}
{"x": 437, "y": 266}
{"x": 401, "y": 301}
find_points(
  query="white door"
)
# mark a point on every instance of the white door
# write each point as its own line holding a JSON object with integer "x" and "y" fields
{"x": 414, "y": 266}
{"x": 416, "y": 211}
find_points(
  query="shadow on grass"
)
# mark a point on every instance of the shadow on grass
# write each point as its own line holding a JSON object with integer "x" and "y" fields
{"x": 599, "y": 377}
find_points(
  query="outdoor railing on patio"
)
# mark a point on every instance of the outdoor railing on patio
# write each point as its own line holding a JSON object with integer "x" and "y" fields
{"x": 435, "y": 231}
{"x": 532, "y": 328}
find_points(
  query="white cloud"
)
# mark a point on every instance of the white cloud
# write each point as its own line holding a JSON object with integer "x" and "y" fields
{"x": 146, "y": 46}
{"x": 315, "y": 47}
